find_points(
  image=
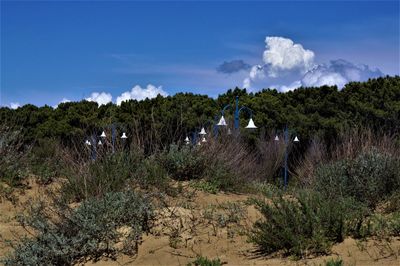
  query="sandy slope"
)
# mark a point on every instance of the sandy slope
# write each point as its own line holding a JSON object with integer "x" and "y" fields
{"x": 198, "y": 224}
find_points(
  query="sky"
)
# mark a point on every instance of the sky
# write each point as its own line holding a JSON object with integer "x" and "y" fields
{"x": 60, "y": 51}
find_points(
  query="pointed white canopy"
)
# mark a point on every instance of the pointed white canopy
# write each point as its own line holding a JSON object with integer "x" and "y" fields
{"x": 222, "y": 122}
{"x": 103, "y": 134}
{"x": 229, "y": 131}
{"x": 203, "y": 131}
{"x": 187, "y": 139}
{"x": 124, "y": 136}
{"x": 296, "y": 139}
{"x": 87, "y": 142}
{"x": 276, "y": 138}
{"x": 251, "y": 124}
{"x": 204, "y": 139}
{"x": 99, "y": 143}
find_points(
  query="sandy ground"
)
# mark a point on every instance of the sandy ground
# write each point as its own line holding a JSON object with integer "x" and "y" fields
{"x": 209, "y": 225}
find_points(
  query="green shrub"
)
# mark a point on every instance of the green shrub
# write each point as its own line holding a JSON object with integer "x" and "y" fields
{"x": 304, "y": 223}
{"x": 96, "y": 178}
{"x": 334, "y": 262}
{"x": 204, "y": 261}
{"x": 65, "y": 236}
{"x": 183, "y": 163}
{"x": 44, "y": 161}
{"x": 151, "y": 174}
{"x": 369, "y": 178}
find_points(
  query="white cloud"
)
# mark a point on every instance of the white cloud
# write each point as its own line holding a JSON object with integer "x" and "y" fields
{"x": 64, "y": 100}
{"x": 15, "y": 105}
{"x": 100, "y": 98}
{"x": 338, "y": 72}
{"x": 139, "y": 93}
{"x": 282, "y": 55}
{"x": 286, "y": 62}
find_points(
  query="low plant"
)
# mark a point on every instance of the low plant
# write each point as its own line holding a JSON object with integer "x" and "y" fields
{"x": 304, "y": 223}
{"x": 204, "y": 261}
{"x": 370, "y": 178}
{"x": 334, "y": 262}
{"x": 111, "y": 172}
{"x": 61, "y": 235}
{"x": 183, "y": 163}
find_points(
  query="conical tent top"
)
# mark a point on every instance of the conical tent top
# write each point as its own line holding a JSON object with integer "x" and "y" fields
{"x": 222, "y": 122}
{"x": 296, "y": 139}
{"x": 124, "y": 136}
{"x": 251, "y": 124}
{"x": 99, "y": 143}
{"x": 103, "y": 134}
{"x": 202, "y": 131}
{"x": 276, "y": 138}
{"x": 204, "y": 139}
{"x": 187, "y": 139}
{"x": 229, "y": 131}
{"x": 87, "y": 142}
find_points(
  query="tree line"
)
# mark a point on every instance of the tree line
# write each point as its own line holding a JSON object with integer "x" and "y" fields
{"x": 153, "y": 123}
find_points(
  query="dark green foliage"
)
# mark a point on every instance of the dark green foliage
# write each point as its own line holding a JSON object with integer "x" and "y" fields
{"x": 334, "y": 262}
{"x": 204, "y": 261}
{"x": 369, "y": 178}
{"x": 65, "y": 236}
{"x": 304, "y": 223}
{"x": 158, "y": 122}
{"x": 183, "y": 163}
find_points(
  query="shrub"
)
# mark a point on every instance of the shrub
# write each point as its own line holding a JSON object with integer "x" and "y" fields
{"x": 334, "y": 262}
{"x": 64, "y": 236}
{"x": 44, "y": 161}
{"x": 12, "y": 157}
{"x": 96, "y": 178}
{"x": 204, "y": 261}
{"x": 183, "y": 163}
{"x": 370, "y": 178}
{"x": 303, "y": 224}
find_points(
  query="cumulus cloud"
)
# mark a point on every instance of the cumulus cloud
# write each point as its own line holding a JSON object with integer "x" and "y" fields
{"x": 286, "y": 62}
{"x": 283, "y": 55}
{"x": 139, "y": 93}
{"x": 338, "y": 72}
{"x": 100, "y": 98}
{"x": 15, "y": 105}
{"x": 233, "y": 66}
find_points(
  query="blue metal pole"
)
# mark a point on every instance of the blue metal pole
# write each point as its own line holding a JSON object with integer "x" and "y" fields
{"x": 215, "y": 126}
{"x": 286, "y": 137}
{"x": 113, "y": 137}
{"x": 237, "y": 113}
{"x": 94, "y": 151}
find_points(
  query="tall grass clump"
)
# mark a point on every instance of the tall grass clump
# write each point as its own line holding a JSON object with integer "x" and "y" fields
{"x": 61, "y": 235}
{"x": 183, "y": 163}
{"x": 304, "y": 223}
{"x": 370, "y": 178}
{"x": 87, "y": 178}
{"x": 13, "y": 157}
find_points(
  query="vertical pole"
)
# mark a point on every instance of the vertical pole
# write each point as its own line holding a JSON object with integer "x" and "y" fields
{"x": 94, "y": 151}
{"x": 215, "y": 126}
{"x": 194, "y": 138}
{"x": 237, "y": 113}
{"x": 286, "y": 137}
{"x": 113, "y": 137}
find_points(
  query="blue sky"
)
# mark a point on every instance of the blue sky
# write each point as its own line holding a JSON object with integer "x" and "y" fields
{"x": 52, "y": 51}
